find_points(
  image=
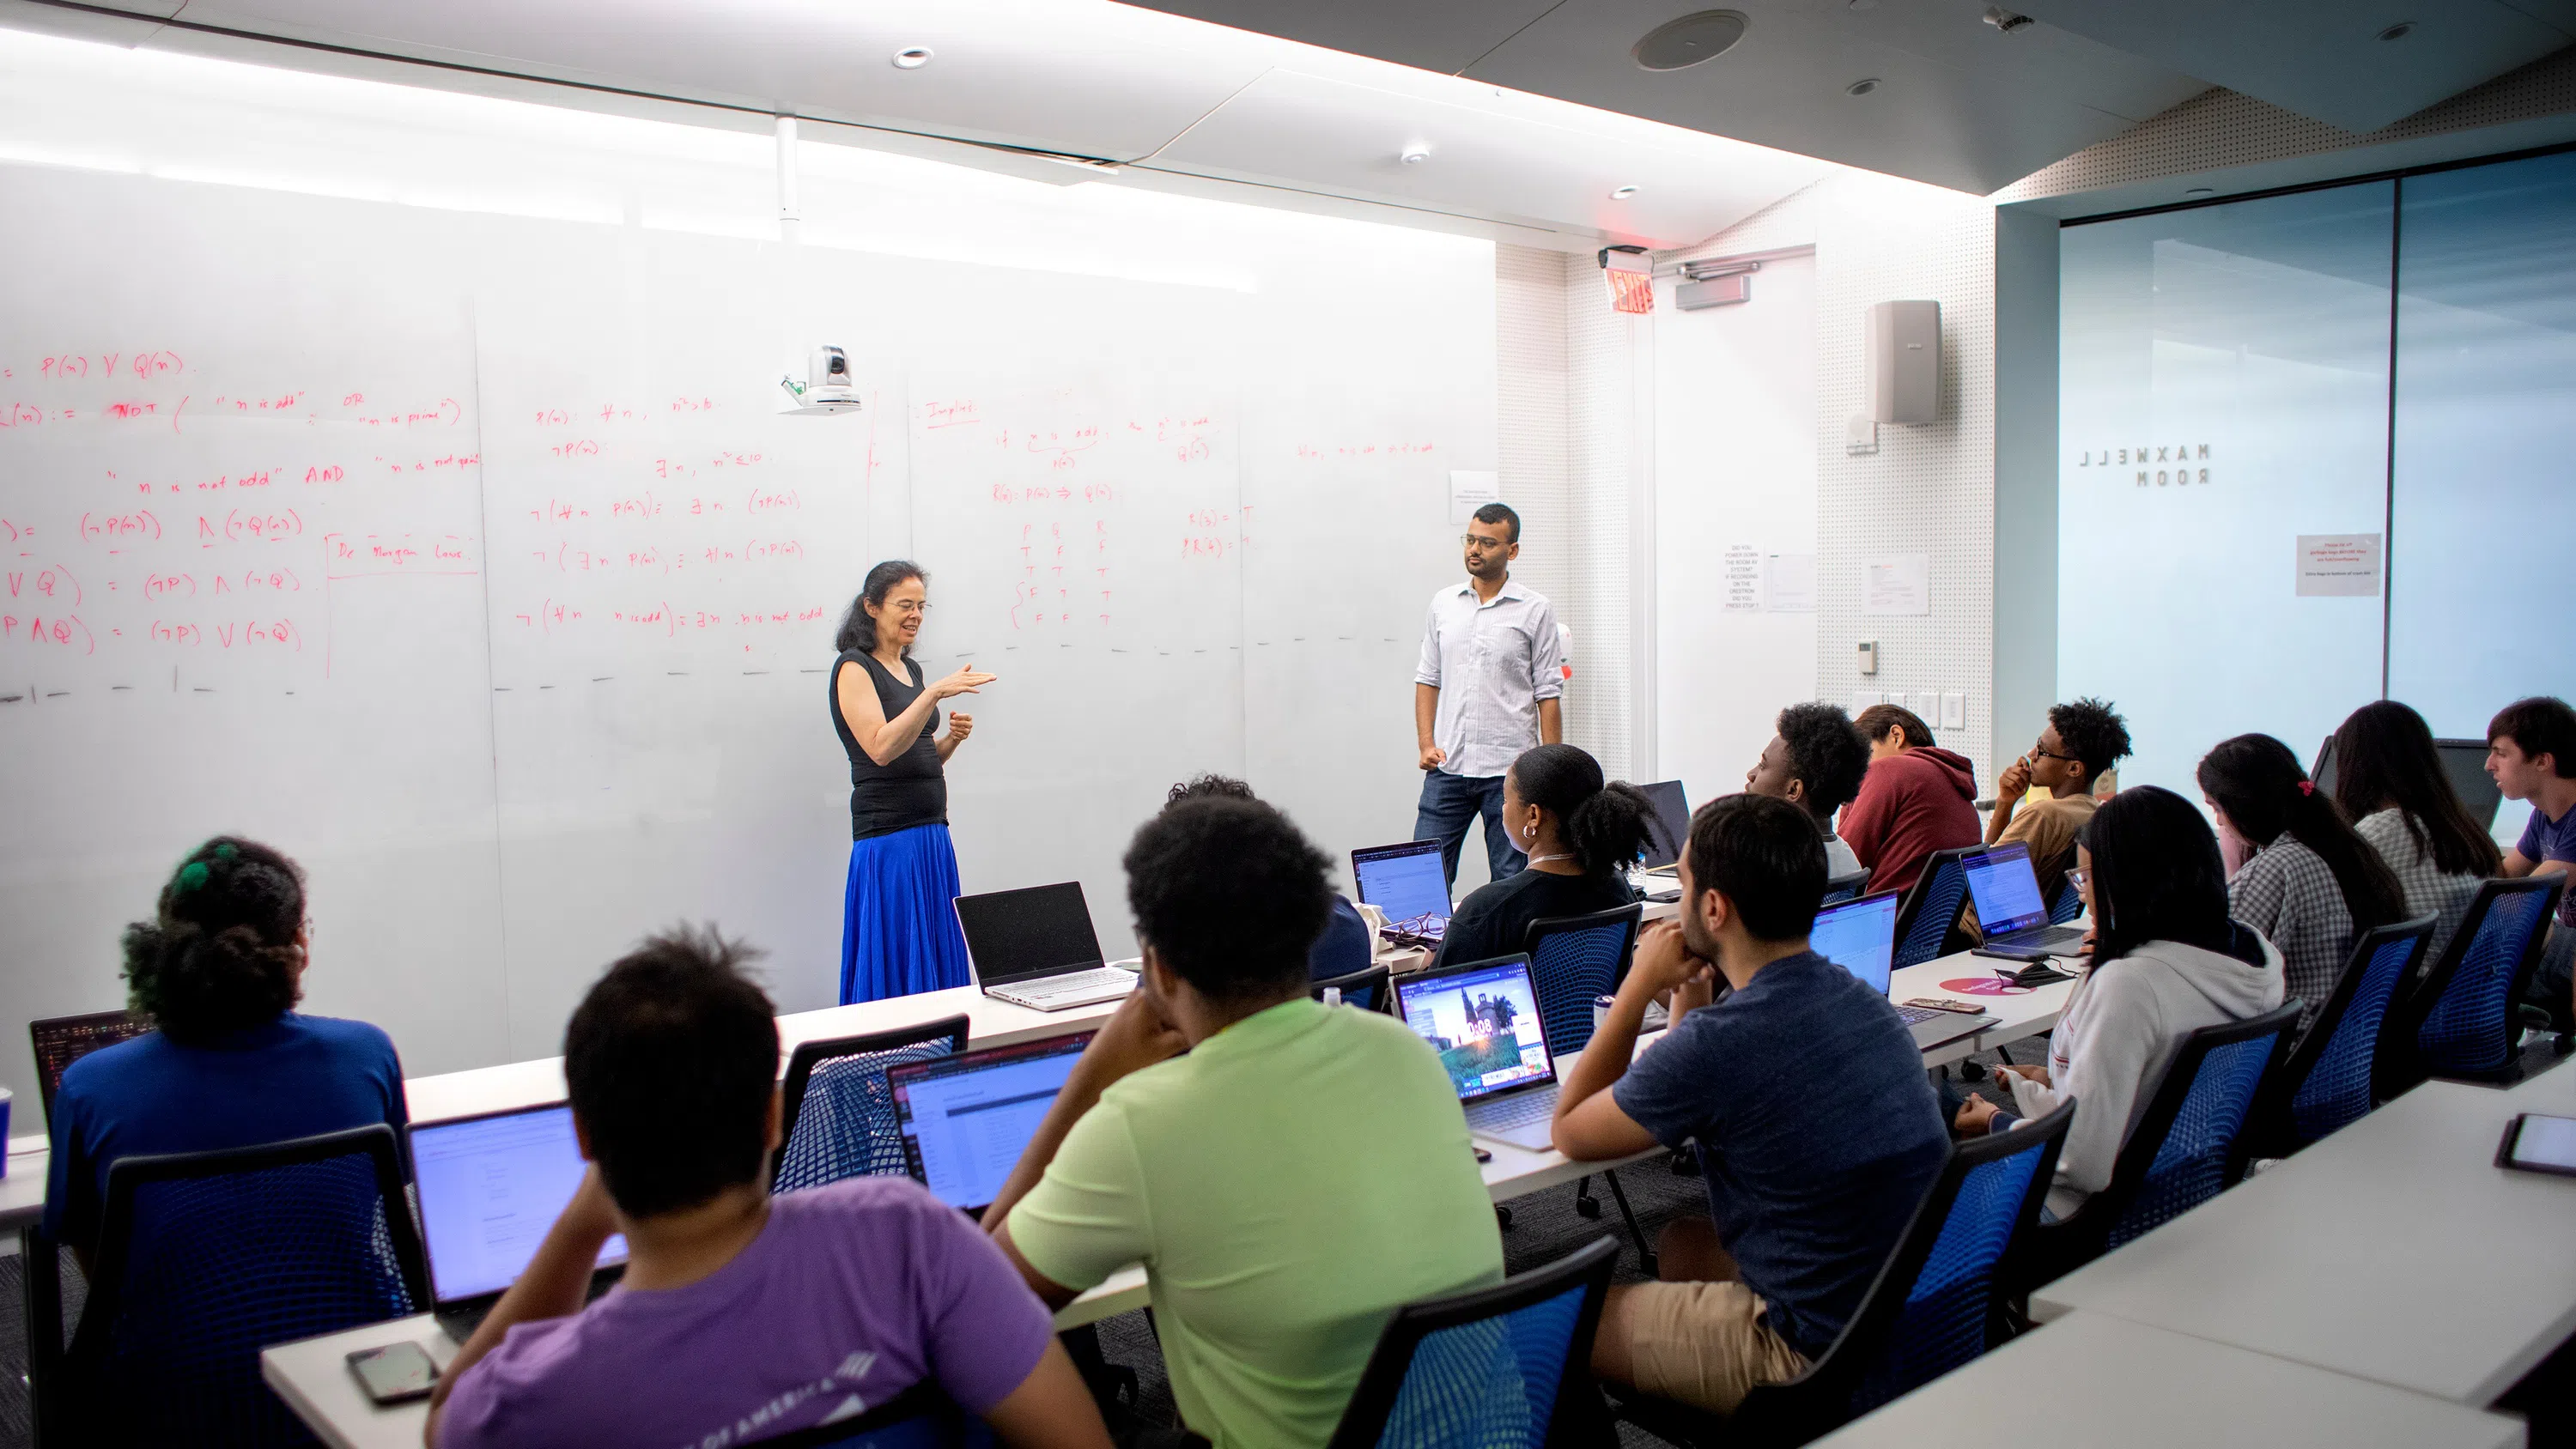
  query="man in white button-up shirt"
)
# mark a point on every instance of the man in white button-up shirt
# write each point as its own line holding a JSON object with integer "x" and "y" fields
{"x": 1487, "y": 688}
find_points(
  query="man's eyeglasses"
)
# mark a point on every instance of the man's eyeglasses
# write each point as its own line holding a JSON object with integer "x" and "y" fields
{"x": 1483, "y": 545}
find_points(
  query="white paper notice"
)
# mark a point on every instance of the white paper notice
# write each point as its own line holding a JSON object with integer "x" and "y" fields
{"x": 1469, "y": 491}
{"x": 1741, "y": 587}
{"x": 2339, "y": 565}
{"x": 1789, "y": 583}
{"x": 1896, "y": 585}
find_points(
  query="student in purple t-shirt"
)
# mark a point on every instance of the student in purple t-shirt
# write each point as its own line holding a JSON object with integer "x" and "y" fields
{"x": 2531, "y": 752}
{"x": 741, "y": 1316}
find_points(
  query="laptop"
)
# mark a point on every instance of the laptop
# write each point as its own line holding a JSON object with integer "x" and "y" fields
{"x": 1483, "y": 1020}
{"x": 1409, "y": 883}
{"x": 2009, "y": 908}
{"x": 1036, "y": 948}
{"x": 490, "y": 1188}
{"x": 62, "y": 1040}
{"x": 1860, "y": 937}
{"x": 967, "y": 1118}
{"x": 1669, "y": 828}
{"x": 2463, "y": 761}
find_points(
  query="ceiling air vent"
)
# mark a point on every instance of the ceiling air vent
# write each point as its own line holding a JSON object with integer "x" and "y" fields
{"x": 1677, "y": 44}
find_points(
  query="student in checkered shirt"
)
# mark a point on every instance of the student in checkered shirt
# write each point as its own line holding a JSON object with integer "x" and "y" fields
{"x": 2310, "y": 884}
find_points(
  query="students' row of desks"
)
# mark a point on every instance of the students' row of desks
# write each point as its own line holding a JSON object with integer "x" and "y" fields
{"x": 2384, "y": 1287}
{"x": 313, "y": 1377}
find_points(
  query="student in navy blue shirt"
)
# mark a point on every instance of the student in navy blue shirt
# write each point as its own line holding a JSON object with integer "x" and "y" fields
{"x": 2531, "y": 752}
{"x": 1818, "y": 1132}
{"x": 219, "y": 969}
{"x": 1345, "y": 947}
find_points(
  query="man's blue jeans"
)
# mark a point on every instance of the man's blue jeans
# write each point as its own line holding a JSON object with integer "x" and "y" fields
{"x": 1450, "y": 803}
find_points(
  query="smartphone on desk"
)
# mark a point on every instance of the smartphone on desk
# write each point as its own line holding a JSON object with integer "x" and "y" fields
{"x": 396, "y": 1373}
{"x": 2534, "y": 1143}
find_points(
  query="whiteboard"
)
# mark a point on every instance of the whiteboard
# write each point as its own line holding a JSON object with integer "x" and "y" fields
{"x": 480, "y": 571}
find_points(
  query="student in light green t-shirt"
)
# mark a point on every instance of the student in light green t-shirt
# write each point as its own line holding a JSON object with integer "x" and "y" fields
{"x": 1301, "y": 1173}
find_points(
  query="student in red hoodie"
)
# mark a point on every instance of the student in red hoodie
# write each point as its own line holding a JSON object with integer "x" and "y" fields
{"x": 1914, "y": 800}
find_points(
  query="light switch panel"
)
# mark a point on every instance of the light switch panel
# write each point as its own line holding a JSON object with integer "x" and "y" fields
{"x": 1954, "y": 710}
{"x": 1926, "y": 706}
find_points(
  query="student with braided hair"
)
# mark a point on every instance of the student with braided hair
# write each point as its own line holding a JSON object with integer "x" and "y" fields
{"x": 232, "y": 1063}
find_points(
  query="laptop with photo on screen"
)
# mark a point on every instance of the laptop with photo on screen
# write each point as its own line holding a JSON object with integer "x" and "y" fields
{"x": 1482, "y": 1018}
{"x": 1036, "y": 948}
{"x": 2009, "y": 908}
{"x": 1860, "y": 937}
{"x": 1408, "y": 882}
{"x": 966, "y": 1118}
{"x": 1668, "y": 829}
{"x": 490, "y": 1188}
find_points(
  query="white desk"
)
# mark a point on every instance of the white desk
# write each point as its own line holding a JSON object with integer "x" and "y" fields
{"x": 2394, "y": 1250}
{"x": 2109, "y": 1384}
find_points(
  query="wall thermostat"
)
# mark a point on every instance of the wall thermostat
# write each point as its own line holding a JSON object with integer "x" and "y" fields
{"x": 1869, "y": 656}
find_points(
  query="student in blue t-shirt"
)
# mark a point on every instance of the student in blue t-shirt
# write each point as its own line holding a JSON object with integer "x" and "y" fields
{"x": 2531, "y": 752}
{"x": 1818, "y": 1132}
{"x": 219, "y": 969}
{"x": 1346, "y": 947}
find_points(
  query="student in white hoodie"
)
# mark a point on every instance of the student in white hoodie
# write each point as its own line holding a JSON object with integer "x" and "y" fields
{"x": 2167, "y": 961}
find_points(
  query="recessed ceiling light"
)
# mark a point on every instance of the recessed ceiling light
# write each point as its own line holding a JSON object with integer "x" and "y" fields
{"x": 1677, "y": 44}
{"x": 1415, "y": 155}
{"x": 1622, "y": 193}
{"x": 1864, "y": 4}
{"x": 2200, "y": 191}
{"x": 1861, "y": 87}
{"x": 912, "y": 57}
{"x": 2398, "y": 31}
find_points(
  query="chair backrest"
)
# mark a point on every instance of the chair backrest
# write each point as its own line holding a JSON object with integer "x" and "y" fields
{"x": 1936, "y": 1302}
{"x": 1841, "y": 888}
{"x": 1931, "y": 909}
{"x": 2462, "y": 1018}
{"x": 2069, "y": 902}
{"x": 921, "y": 1417}
{"x": 60, "y": 1041}
{"x": 1575, "y": 959}
{"x": 205, "y": 1258}
{"x": 839, "y": 1119}
{"x": 1366, "y": 990}
{"x": 1485, "y": 1369}
{"x": 2326, "y": 1082}
{"x": 2190, "y": 1143}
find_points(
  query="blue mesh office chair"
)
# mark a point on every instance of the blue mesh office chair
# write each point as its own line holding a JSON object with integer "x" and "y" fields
{"x": 1494, "y": 1368}
{"x": 1366, "y": 990}
{"x": 205, "y": 1258}
{"x": 920, "y": 1417}
{"x": 2189, "y": 1146}
{"x": 1843, "y": 888}
{"x": 1576, "y": 959}
{"x": 1925, "y": 923}
{"x": 839, "y": 1116}
{"x": 1935, "y": 1305}
{"x": 2325, "y": 1083}
{"x": 2068, "y": 905}
{"x": 2461, "y": 1021}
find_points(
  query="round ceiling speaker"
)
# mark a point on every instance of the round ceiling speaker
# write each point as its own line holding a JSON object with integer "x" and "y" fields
{"x": 1677, "y": 44}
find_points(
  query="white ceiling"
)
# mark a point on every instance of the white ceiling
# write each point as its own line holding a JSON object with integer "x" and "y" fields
{"x": 1084, "y": 78}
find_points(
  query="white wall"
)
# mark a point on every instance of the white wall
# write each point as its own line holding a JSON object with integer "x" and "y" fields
{"x": 1735, "y": 468}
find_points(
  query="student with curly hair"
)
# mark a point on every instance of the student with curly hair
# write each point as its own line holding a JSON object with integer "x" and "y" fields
{"x": 1277, "y": 1234}
{"x": 1816, "y": 760}
{"x": 2082, "y": 741}
{"x": 231, "y": 1063}
{"x": 1345, "y": 948}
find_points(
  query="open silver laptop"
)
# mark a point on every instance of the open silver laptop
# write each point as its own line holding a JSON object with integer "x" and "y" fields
{"x": 1036, "y": 948}
{"x": 1860, "y": 937}
{"x": 1483, "y": 1019}
{"x": 490, "y": 1188}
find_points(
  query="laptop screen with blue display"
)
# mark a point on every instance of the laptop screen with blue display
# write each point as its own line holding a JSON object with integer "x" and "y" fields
{"x": 1860, "y": 937}
{"x": 1405, "y": 881}
{"x": 2006, "y": 890}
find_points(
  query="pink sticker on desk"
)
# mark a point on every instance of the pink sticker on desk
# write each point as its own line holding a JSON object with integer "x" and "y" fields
{"x": 1984, "y": 986}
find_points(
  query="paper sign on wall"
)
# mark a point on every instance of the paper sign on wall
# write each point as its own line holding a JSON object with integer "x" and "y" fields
{"x": 1897, "y": 584}
{"x": 1789, "y": 583}
{"x": 2339, "y": 565}
{"x": 1742, "y": 580}
{"x": 1469, "y": 491}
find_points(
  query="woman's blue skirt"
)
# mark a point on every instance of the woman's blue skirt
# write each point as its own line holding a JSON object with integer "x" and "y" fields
{"x": 898, "y": 926}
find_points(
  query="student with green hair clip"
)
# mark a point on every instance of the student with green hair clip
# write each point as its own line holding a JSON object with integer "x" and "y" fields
{"x": 219, "y": 968}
